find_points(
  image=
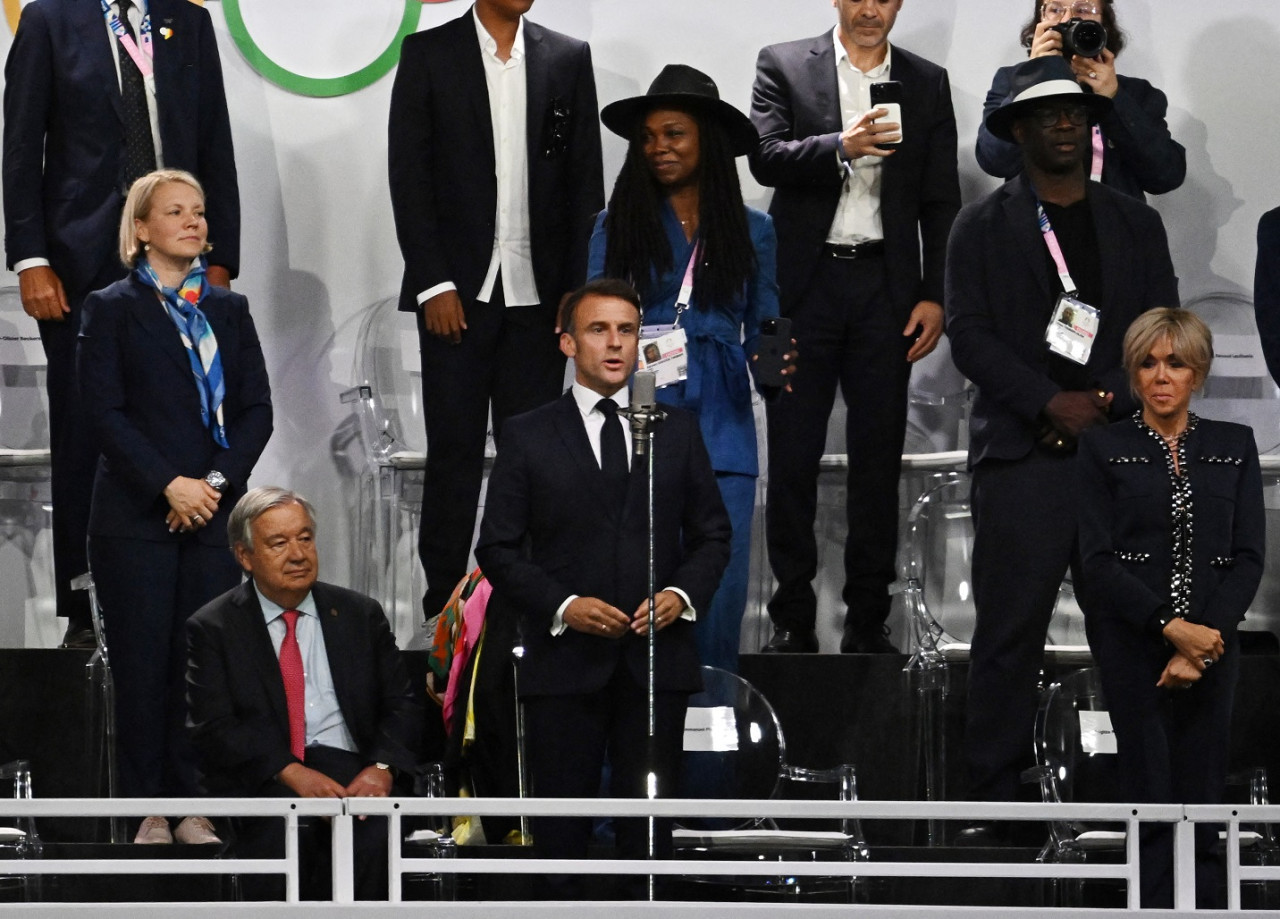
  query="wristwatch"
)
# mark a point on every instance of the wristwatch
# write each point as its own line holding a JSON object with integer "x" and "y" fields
{"x": 216, "y": 480}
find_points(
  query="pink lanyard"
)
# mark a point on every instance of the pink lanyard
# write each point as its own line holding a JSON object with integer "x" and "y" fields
{"x": 686, "y": 286}
{"x": 142, "y": 57}
{"x": 1055, "y": 250}
{"x": 1095, "y": 172}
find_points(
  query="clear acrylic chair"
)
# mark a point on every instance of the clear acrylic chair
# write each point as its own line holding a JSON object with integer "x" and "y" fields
{"x": 19, "y": 839}
{"x": 735, "y": 749}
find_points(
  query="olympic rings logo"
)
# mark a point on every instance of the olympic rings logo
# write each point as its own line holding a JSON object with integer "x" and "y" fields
{"x": 287, "y": 79}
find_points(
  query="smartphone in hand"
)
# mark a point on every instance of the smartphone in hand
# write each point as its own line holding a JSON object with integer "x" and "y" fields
{"x": 771, "y": 351}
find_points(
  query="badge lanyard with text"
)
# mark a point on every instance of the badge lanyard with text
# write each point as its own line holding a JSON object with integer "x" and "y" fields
{"x": 1074, "y": 323}
{"x": 1099, "y": 151}
{"x": 142, "y": 57}
{"x": 664, "y": 349}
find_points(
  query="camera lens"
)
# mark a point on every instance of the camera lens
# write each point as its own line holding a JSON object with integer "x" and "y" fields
{"x": 1083, "y": 37}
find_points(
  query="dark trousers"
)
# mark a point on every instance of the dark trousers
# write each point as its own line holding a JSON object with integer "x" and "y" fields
{"x": 1173, "y": 747}
{"x": 73, "y": 454}
{"x": 148, "y": 590}
{"x": 849, "y": 334}
{"x": 507, "y": 357}
{"x": 263, "y": 837}
{"x": 1025, "y": 539}
{"x": 568, "y": 739}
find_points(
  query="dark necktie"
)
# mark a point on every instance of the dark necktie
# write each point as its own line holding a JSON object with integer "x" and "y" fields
{"x": 139, "y": 146}
{"x": 295, "y": 684}
{"x": 613, "y": 452}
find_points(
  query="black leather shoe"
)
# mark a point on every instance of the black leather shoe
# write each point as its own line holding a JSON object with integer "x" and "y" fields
{"x": 79, "y": 637}
{"x": 875, "y": 641}
{"x": 791, "y": 641}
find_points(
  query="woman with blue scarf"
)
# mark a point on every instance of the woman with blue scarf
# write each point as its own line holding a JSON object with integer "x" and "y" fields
{"x": 175, "y": 387}
{"x": 676, "y": 228}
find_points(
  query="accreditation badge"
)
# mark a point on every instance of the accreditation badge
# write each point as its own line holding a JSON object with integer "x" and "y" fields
{"x": 1072, "y": 329}
{"x": 664, "y": 350}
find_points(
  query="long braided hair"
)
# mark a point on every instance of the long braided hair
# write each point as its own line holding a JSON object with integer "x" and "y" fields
{"x": 637, "y": 250}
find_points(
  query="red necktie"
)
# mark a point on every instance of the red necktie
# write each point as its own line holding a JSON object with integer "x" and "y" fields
{"x": 295, "y": 684}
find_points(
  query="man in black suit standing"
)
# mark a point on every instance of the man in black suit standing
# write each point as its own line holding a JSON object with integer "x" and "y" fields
{"x": 295, "y": 687}
{"x": 1044, "y": 276}
{"x": 564, "y": 542}
{"x": 94, "y": 99}
{"x": 495, "y": 180}
{"x": 857, "y": 194}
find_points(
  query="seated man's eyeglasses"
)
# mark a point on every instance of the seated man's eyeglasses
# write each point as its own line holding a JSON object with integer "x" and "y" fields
{"x": 1049, "y": 115}
{"x": 1055, "y": 11}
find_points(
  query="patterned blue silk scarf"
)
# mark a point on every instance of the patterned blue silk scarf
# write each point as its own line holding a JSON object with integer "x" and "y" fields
{"x": 183, "y": 305}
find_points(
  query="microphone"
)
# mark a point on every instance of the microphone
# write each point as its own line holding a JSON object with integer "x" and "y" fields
{"x": 644, "y": 410}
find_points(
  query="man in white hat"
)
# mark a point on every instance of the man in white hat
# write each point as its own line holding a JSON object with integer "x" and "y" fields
{"x": 1043, "y": 277}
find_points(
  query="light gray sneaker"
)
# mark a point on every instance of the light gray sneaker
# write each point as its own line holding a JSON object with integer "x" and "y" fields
{"x": 196, "y": 831}
{"x": 154, "y": 832}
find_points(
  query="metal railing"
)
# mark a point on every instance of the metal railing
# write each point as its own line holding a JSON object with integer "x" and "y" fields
{"x": 343, "y": 811}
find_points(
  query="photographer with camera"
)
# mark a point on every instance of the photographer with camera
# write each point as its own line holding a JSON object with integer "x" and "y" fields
{"x": 1132, "y": 150}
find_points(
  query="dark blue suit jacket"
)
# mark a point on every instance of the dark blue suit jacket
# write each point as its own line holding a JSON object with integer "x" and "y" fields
{"x": 63, "y": 135}
{"x": 1266, "y": 289}
{"x": 140, "y": 396}
{"x": 1141, "y": 154}
{"x": 550, "y": 531}
{"x": 1125, "y": 535}
{"x": 238, "y": 716}
{"x": 444, "y": 187}
{"x": 1000, "y": 296}
{"x": 795, "y": 105}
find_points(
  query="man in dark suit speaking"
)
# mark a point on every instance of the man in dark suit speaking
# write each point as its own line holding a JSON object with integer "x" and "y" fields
{"x": 564, "y": 543}
{"x": 495, "y": 171}
{"x": 862, "y": 204}
{"x": 95, "y": 96}
{"x": 295, "y": 687}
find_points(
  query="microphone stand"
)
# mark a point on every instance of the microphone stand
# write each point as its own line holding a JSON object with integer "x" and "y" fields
{"x": 642, "y": 417}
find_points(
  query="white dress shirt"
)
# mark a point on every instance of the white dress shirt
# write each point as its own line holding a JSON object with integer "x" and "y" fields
{"x": 858, "y": 213}
{"x": 512, "y": 247}
{"x": 593, "y": 420}
{"x": 325, "y": 724}
{"x": 135, "y": 19}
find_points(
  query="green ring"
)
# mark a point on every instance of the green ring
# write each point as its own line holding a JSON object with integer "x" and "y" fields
{"x": 322, "y": 87}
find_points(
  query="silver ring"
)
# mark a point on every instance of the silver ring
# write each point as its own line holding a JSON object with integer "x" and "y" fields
{"x": 195, "y": 517}
{"x": 1093, "y": 74}
{"x": 1207, "y": 661}
{"x": 603, "y": 627}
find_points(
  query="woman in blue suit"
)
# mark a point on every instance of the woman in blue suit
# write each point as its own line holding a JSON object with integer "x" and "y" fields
{"x": 173, "y": 381}
{"x": 676, "y": 228}
{"x": 1172, "y": 534}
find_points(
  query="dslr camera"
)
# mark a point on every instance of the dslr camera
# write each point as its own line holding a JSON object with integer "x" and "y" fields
{"x": 1082, "y": 36}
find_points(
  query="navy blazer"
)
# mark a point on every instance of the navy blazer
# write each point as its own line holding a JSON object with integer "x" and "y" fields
{"x": 1126, "y": 539}
{"x": 63, "y": 135}
{"x": 795, "y": 105}
{"x": 1266, "y": 289}
{"x": 141, "y": 398}
{"x": 1141, "y": 154}
{"x": 1000, "y": 296}
{"x": 550, "y": 531}
{"x": 444, "y": 187}
{"x": 237, "y": 713}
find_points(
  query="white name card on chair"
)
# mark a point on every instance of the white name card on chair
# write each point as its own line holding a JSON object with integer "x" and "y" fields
{"x": 1096, "y": 733}
{"x": 1238, "y": 356}
{"x": 710, "y": 730}
{"x": 410, "y": 351}
{"x": 21, "y": 348}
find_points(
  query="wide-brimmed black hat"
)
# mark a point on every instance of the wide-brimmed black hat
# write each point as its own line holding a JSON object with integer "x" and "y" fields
{"x": 1036, "y": 80}
{"x": 680, "y": 86}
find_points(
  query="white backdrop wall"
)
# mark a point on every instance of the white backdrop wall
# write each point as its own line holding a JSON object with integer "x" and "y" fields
{"x": 318, "y": 240}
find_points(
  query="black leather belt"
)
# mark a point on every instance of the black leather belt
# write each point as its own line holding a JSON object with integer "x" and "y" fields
{"x": 873, "y": 247}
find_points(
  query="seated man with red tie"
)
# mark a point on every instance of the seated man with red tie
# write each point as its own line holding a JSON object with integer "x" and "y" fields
{"x": 296, "y": 687}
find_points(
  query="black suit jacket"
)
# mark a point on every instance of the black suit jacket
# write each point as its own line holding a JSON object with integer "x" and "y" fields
{"x": 1141, "y": 154}
{"x": 1000, "y": 296}
{"x": 444, "y": 187}
{"x": 550, "y": 531}
{"x": 795, "y": 105}
{"x": 1126, "y": 540}
{"x": 63, "y": 135}
{"x": 140, "y": 396}
{"x": 1266, "y": 289}
{"x": 238, "y": 716}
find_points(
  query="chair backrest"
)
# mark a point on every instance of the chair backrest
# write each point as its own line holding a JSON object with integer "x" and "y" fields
{"x": 1074, "y": 743}
{"x": 733, "y": 746}
{"x": 938, "y": 555}
{"x": 24, "y": 415}
{"x": 387, "y": 360}
{"x": 1239, "y": 388}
